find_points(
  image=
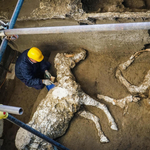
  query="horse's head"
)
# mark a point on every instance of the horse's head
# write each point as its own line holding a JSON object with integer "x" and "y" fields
{"x": 63, "y": 60}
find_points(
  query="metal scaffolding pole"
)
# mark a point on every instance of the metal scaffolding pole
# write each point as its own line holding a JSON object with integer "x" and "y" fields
{"x": 11, "y": 109}
{"x": 4, "y": 109}
{"x": 76, "y": 29}
{"x": 35, "y": 132}
{"x": 11, "y": 25}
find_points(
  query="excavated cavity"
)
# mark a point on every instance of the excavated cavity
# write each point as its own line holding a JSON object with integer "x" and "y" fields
{"x": 97, "y": 6}
{"x": 137, "y": 4}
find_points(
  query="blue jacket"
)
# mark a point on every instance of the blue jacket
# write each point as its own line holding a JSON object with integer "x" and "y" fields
{"x": 28, "y": 72}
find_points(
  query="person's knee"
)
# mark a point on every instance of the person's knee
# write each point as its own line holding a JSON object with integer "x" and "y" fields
{"x": 39, "y": 87}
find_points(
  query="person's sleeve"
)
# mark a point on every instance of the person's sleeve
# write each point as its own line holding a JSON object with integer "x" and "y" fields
{"x": 27, "y": 73}
{"x": 44, "y": 65}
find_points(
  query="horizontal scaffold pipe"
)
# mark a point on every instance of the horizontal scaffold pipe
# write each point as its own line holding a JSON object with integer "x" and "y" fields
{"x": 81, "y": 28}
{"x": 11, "y": 109}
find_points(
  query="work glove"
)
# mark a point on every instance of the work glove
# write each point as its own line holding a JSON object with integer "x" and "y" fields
{"x": 49, "y": 76}
{"x": 46, "y": 82}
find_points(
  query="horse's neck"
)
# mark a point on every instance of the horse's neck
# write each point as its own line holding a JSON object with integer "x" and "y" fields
{"x": 65, "y": 73}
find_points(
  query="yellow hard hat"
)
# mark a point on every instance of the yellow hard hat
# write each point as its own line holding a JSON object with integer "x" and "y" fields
{"x": 35, "y": 54}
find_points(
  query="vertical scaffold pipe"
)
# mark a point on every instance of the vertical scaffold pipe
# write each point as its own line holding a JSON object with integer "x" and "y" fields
{"x": 35, "y": 132}
{"x": 15, "y": 14}
{"x": 3, "y": 48}
{"x": 11, "y": 25}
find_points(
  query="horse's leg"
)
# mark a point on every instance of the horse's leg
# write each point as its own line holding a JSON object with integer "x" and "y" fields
{"x": 132, "y": 88}
{"x": 87, "y": 100}
{"x": 125, "y": 65}
{"x": 95, "y": 119}
{"x": 120, "y": 102}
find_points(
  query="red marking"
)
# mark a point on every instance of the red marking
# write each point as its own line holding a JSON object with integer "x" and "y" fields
{"x": 4, "y": 113}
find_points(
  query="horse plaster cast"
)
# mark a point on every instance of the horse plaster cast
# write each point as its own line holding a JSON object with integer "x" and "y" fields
{"x": 137, "y": 92}
{"x": 55, "y": 111}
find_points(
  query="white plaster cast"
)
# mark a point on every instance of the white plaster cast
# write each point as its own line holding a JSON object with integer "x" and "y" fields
{"x": 132, "y": 88}
{"x": 136, "y": 92}
{"x": 55, "y": 111}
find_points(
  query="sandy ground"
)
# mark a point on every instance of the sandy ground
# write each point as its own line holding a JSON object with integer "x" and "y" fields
{"x": 96, "y": 74}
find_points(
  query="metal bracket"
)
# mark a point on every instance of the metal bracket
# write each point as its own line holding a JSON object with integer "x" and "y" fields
{"x": 3, "y": 26}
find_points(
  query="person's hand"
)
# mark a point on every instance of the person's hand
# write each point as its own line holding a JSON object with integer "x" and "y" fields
{"x": 48, "y": 75}
{"x": 46, "y": 82}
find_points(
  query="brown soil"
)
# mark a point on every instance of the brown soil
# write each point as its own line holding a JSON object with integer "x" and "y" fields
{"x": 96, "y": 75}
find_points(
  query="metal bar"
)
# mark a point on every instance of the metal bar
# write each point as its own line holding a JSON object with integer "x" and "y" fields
{"x": 11, "y": 25}
{"x": 2, "y": 48}
{"x": 3, "y": 23}
{"x": 15, "y": 14}
{"x": 11, "y": 109}
{"x": 35, "y": 132}
{"x": 81, "y": 28}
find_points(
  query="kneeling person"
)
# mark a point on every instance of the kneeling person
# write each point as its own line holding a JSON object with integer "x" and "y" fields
{"x": 30, "y": 69}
